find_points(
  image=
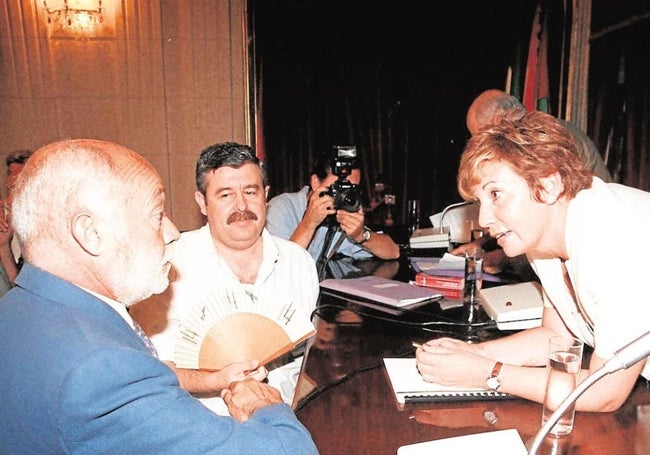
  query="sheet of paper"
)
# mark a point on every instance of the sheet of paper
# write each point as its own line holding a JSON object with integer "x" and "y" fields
{"x": 446, "y": 262}
{"x": 500, "y": 442}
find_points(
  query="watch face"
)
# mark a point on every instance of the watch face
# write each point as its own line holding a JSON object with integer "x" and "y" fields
{"x": 493, "y": 383}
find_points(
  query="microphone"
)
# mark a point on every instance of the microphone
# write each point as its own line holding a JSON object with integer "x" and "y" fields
{"x": 446, "y": 209}
{"x": 630, "y": 354}
{"x": 624, "y": 358}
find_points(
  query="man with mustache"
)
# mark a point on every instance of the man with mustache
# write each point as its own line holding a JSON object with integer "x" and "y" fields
{"x": 232, "y": 257}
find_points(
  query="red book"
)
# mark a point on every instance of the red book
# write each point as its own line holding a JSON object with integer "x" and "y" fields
{"x": 451, "y": 287}
{"x": 437, "y": 281}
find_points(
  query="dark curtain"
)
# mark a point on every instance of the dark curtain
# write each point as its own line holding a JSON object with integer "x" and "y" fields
{"x": 619, "y": 92}
{"x": 393, "y": 78}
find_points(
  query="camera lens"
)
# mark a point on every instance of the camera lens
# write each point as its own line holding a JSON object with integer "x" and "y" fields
{"x": 349, "y": 199}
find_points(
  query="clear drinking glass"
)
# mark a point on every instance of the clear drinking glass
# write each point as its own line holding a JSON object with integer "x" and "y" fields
{"x": 413, "y": 215}
{"x": 562, "y": 372}
{"x": 473, "y": 282}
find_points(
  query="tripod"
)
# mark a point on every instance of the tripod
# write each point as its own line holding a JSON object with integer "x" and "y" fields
{"x": 323, "y": 258}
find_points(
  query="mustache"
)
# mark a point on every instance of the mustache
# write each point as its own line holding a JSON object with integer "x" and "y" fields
{"x": 244, "y": 215}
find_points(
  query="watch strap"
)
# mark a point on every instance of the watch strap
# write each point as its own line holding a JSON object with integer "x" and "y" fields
{"x": 496, "y": 370}
{"x": 493, "y": 382}
{"x": 366, "y": 236}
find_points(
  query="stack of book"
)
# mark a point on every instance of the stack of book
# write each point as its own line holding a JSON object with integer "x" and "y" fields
{"x": 451, "y": 287}
{"x": 430, "y": 238}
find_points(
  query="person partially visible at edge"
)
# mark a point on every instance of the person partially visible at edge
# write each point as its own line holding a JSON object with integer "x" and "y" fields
{"x": 538, "y": 199}
{"x": 15, "y": 163}
{"x": 233, "y": 245}
{"x": 10, "y": 257}
{"x": 300, "y": 218}
{"x": 76, "y": 375}
{"x": 492, "y": 105}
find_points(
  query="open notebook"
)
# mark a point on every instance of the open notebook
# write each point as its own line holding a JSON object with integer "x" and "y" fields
{"x": 409, "y": 387}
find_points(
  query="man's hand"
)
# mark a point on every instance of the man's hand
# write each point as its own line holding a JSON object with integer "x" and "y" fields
{"x": 245, "y": 397}
{"x": 493, "y": 261}
{"x": 351, "y": 223}
{"x": 242, "y": 370}
{"x": 460, "y": 249}
{"x": 380, "y": 245}
{"x": 203, "y": 384}
{"x": 318, "y": 207}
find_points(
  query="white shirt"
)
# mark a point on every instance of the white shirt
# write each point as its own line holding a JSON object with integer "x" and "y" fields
{"x": 287, "y": 274}
{"x": 117, "y": 306}
{"x": 606, "y": 240}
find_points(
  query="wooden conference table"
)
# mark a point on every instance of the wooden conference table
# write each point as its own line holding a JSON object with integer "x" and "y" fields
{"x": 345, "y": 400}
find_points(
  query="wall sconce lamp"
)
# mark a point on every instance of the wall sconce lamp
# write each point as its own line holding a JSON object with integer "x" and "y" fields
{"x": 73, "y": 17}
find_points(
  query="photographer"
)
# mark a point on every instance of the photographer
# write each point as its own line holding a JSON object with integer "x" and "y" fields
{"x": 307, "y": 217}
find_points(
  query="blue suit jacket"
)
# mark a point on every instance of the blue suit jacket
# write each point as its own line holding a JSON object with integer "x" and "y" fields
{"x": 75, "y": 378}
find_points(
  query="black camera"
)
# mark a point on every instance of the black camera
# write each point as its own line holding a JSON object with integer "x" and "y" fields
{"x": 347, "y": 196}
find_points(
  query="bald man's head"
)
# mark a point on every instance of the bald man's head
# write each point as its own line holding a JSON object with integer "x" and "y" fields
{"x": 490, "y": 107}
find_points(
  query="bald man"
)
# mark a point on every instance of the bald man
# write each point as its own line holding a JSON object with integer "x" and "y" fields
{"x": 77, "y": 375}
{"x": 491, "y": 106}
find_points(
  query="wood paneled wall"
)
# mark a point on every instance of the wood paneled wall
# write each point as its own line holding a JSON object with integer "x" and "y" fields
{"x": 170, "y": 79}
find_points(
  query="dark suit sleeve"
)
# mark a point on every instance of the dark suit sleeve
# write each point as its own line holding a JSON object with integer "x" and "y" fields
{"x": 588, "y": 152}
{"x": 122, "y": 400}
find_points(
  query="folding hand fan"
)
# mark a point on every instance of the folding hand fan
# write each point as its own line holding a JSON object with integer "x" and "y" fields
{"x": 225, "y": 328}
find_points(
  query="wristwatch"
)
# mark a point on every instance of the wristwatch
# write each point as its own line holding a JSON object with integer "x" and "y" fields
{"x": 366, "y": 236}
{"x": 493, "y": 381}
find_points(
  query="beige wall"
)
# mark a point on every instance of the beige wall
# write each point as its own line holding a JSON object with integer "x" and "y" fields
{"x": 166, "y": 78}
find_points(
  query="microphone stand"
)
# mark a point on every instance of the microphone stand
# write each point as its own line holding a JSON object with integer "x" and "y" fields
{"x": 446, "y": 209}
{"x": 566, "y": 404}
